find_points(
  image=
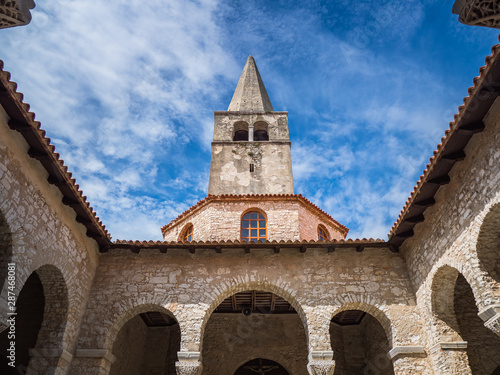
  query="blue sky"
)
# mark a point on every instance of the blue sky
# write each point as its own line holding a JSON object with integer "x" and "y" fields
{"x": 127, "y": 90}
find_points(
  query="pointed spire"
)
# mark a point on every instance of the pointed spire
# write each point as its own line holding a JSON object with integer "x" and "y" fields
{"x": 250, "y": 94}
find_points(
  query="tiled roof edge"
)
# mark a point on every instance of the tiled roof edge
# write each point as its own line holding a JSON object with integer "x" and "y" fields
{"x": 22, "y": 120}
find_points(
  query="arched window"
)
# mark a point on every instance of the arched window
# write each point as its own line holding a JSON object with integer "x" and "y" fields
{"x": 260, "y": 131}
{"x": 240, "y": 135}
{"x": 260, "y": 135}
{"x": 322, "y": 233}
{"x": 187, "y": 233}
{"x": 253, "y": 227}
{"x": 240, "y": 131}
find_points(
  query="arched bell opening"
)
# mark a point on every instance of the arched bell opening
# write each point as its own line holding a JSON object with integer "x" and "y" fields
{"x": 147, "y": 344}
{"x": 261, "y": 366}
{"x": 360, "y": 344}
{"x": 250, "y": 326}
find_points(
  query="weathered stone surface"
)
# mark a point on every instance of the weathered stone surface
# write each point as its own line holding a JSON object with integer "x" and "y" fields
{"x": 15, "y": 12}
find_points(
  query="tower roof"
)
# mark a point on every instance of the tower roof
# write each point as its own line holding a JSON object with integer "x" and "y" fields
{"x": 250, "y": 94}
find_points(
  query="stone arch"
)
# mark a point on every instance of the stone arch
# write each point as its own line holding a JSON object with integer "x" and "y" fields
{"x": 274, "y": 359}
{"x": 130, "y": 313}
{"x": 240, "y": 131}
{"x": 442, "y": 303}
{"x": 374, "y": 311}
{"x": 237, "y": 286}
{"x": 261, "y": 132}
{"x": 488, "y": 243}
{"x": 42, "y": 308}
{"x": 5, "y": 248}
{"x": 184, "y": 232}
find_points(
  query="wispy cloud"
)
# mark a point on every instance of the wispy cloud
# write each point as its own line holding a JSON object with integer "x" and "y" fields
{"x": 127, "y": 90}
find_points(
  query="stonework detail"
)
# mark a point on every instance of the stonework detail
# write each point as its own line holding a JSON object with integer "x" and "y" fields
{"x": 321, "y": 367}
{"x": 479, "y": 12}
{"x": 431, "y": 308}
{"x": 15, "y": 12}
{"x": 188, "y": 368}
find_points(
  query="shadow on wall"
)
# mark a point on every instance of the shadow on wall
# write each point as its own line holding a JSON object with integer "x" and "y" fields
{"x": 488, "y": 243}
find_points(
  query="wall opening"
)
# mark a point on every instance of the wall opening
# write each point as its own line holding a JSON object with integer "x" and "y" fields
{"x": 261, "y": 366}
{"x": 30, "y": 307}
{"x": 360, "y": 344}
{"x": 260, "y": 132}
{"x": 488, "y": 243}
{"x": 147, "y": 344}
{"x": 42, "y": 314}
{"x": 5, "y": 248}
{"x": 240, "y": 131}
{"x": 455, "y": 312}
{"x": 253, "y": 325}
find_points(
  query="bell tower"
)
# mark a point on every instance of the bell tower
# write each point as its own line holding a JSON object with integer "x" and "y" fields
{"x": 251, "y": 145}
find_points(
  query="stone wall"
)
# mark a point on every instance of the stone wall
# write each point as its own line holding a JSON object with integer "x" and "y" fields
{"x": 272, "y": 163}
{"x": 43, "y": 234}
{"x": 318, "y": 284}
{"x": 287, "y": 219}
{"x": 233, "y": 339}
{"x": 452, "y": 229}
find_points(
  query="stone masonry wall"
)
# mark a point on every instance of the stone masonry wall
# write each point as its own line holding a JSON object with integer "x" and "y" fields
{"x": 221, "y": 220}
{"x": 449, "y": 234}
{"x": 317, "y": 283}
{"x": 43, "y": 232}
{"x": 233, "y": 339}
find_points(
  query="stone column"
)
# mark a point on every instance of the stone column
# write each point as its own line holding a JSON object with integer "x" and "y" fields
{"x": 189, "y": 363}
{"x": 48, "y": 361}
{"x": 321, "y": 363}
{"x": 491, "y": 317}
{"x": 92, "y": 362}
{"x": 407, "y": 358}
{"x": 450, "y": 358}
{"x": 250, "y": 133}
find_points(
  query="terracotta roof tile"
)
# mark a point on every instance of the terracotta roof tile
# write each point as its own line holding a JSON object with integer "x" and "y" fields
{"x": 453, "y": 127}
{"x": 23, "y": 120}
{"x": 212, "y": 198}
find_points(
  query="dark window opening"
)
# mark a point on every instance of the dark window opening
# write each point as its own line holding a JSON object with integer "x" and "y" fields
{"x": 252, "y": 168}
{"x": 260, "y": 135}
{"x": 240, "y": 135}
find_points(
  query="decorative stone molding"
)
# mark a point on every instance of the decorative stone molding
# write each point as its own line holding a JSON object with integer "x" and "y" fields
{"x": 188, "y": 368}
{"x": 15, "y": 12}
{"x": 189, "y": 356}
{"x": 320, "y": 355}
{"x": 406, "y": 351}
{"x": 491, "y": 317}
{"x": 321, "y": 367}
{"x": 51, "y": 353}
{"x": 451, "y": 345}
{"x": 96, "y": 353}
{"x": 478, "y": 12}
{"x": 189, "y": 363}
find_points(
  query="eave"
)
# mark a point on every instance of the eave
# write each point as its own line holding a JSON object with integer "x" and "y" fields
{"x": 467, "y": 123}
{"x": 40, "y": 148}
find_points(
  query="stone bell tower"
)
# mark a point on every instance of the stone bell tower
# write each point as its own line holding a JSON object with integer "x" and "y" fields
{"x": 251, "y": 145}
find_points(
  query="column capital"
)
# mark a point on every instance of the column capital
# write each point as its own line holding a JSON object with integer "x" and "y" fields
{"x": 188, "y": 368}
{"x": 321, "y": 367}
{"x": 491, "y": 317}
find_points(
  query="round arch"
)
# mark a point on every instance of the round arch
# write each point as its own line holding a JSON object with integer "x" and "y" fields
{"x": 5, "y": 248}
{"x": 240, "y": 131}
{"x": 120, "y": 320}
{"x": 187, "y": 233}
{"x": 277, "y": 361}
{"x": 374, "y": 311}
{"x": 265, "y": 286}
{"x": 488, "y": 245}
